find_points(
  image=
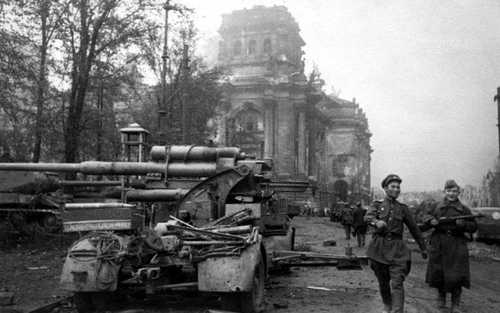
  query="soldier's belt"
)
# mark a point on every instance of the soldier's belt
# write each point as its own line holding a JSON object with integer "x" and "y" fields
{"x": 454, "y": 233}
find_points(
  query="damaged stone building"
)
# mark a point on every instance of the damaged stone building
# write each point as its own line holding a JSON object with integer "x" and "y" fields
{"x": 271, "y": 109}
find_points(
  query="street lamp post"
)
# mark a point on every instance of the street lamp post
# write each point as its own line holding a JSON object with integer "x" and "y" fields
{"x": 497, "y": 99}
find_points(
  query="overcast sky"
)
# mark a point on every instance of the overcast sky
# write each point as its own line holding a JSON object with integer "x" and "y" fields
{"x": 424, "y": 71}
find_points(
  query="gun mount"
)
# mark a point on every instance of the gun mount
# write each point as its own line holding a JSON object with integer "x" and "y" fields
{"x": 202, "y": 218}
{"x": 159, "y": 240}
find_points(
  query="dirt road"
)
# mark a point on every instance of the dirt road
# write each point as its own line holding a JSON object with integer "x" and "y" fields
{"x": 33, "y": 275}
{"x": 357, "y": 291}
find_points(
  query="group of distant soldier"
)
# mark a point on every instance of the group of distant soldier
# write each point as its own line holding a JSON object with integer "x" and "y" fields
{"x": 352, "y": 219}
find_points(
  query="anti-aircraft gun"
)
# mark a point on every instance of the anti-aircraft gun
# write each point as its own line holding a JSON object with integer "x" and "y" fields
{"x": 198, "y": 222}
{"x": 203, "y": 218}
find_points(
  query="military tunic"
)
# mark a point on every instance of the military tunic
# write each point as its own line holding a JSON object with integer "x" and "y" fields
{"x": 387, "y": 246}
{"x": 448, "y": 266}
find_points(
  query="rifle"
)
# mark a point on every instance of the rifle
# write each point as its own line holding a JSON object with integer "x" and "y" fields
{"x": 460, "y": 217}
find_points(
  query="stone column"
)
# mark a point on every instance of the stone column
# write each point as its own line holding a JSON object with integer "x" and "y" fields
{"x": 269, "y": 128}
{"x": 285, "y": 137}
{"x": 221, "y": 130}
{"x": 301, "y": 137}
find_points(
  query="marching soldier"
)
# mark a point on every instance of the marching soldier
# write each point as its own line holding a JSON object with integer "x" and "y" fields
{"x": 389, "y": 255}
{"x": 448, "y": 267}
{"x": 359, "y": 224}
{"x": 346, "y": 221}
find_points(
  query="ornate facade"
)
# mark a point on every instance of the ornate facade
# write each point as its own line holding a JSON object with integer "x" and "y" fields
{"x": 271, "y": 111}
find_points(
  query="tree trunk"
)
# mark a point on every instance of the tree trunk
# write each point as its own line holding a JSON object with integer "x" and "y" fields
{"x": 44, "y": 12}
{"x": 80, "y": 78}
{"x": 73, "y": 129}
{"x": 100, "y": 130}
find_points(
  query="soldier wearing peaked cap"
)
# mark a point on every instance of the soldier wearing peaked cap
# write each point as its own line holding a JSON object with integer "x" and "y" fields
{"x": 448, "y": 267}
{"x": 389, "y": 256}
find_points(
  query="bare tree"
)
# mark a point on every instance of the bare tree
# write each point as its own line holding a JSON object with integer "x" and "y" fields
{"x": 49, "y": 15}
{"x": 101, "y": 26}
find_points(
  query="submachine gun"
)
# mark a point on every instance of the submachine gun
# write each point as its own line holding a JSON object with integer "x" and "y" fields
{"x": 459, "y": 217}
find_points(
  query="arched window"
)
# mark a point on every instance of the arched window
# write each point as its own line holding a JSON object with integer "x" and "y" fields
{"x": 249, "y": 120}
{"x": 237, "y": 48}
{"x": 341, "y": 189}
{"x": 252, "y": 46}
{"x": 266, "y": 48}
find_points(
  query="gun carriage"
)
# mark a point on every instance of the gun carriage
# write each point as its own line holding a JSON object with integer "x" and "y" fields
{"x": 202, "y": 218}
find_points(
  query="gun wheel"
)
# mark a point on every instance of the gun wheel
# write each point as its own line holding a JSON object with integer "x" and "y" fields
{"x": 248, "y": 302}
{"x": 253, "y": 301}
{"x": 50, "y": 223}
{"x": 87, "y": 302}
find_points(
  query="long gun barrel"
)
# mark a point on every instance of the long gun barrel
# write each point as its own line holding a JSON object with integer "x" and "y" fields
{"x": 194, "y": 153}
{"x": 177, "y": 169}
{"x": 174, "y": 161}
{"x": 156, "y": 194}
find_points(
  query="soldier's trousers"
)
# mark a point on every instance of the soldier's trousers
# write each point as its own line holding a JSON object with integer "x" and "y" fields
{"x": 390, "y": 280}
{"x": 347, "y": 228}
{"x": 361, "y": 238}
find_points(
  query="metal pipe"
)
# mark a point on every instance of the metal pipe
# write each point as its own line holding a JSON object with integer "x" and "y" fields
{"x": 192, "y": 169}
{"x": 98, "y": 205}
{"x": 193, "y": 153}
{"x": 156, "y": 194}
{"x": 90, "y": 183}
{"x": 234, "y": 230}
{"x": 210, "y": 242}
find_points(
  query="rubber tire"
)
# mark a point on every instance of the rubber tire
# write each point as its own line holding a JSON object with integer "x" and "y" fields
{"x": 253, "y": 301}
{"x": 49, "y": 223}
{"x": 83, "y": 302}
{"x": 87, "y": 302}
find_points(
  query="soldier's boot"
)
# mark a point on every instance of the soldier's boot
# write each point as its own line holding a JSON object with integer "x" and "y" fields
{"x": 398, "y": 300}
{"x": 455, "y": 300}
{"x": 398, "y": 292}
{"x": 441, "y": 300}
{"x": 385, "y": 292}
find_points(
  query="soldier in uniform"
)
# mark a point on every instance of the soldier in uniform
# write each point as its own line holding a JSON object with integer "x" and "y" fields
{"x": 389, "y": 256}
{"x": 448, "y": 267}
{"x": 359, "y": 224}
{"x": 346, "y": 221}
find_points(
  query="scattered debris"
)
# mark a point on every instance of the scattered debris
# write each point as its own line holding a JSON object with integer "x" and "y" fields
{"x": 37, "y": 268}
{"x": 330, "y": 242}
{"x": 54, "y": 306}
{"x": 280, "y": 305}
{"x": 6, "y": 298}
{"x": 319, "y": 288}
{"x": 303, "y": 247}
